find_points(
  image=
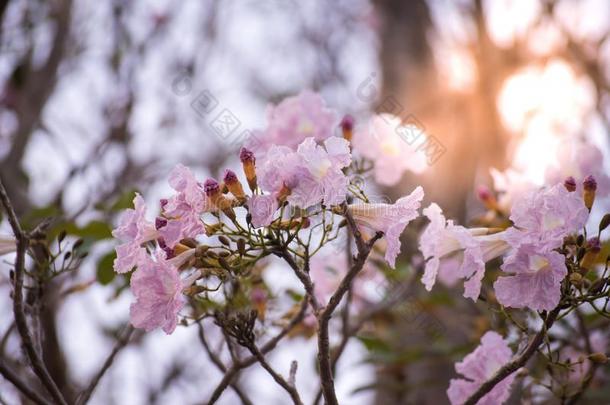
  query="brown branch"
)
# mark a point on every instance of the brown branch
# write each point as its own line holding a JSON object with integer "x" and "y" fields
{"x": 220, "y": 365}
{"x": 324, "y": 358}
{"x": 517, "y": 363}
{"x": 290, "y": 389}
{"x": 21, "y": 385}
{"x": 36, "y": 362}
{"x": 122, "y": 341}
{"x": 248, "y": 361}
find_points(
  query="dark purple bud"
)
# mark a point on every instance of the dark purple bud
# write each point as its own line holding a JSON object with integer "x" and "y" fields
{"x": 484, "y": 193}
{"x": 570, "y": 184}
{"x": 211, "y": 187}
{"x": 589, "y": 183}
{"x": 163, "y": 202}
{"x": 230, "y": 176}
{"x": 347, "y": 123}
{"x": 160, "y": 222}
{"x": 169, "y": 252}
{"x": 594, "y": 245}
{"x": 246, "y": 155}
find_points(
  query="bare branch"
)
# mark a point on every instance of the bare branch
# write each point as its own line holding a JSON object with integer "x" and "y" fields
{"x": 21, "y": 385}
{"x": 36, "y": 362}
{"x": 120, "y": 344}
{"x": 517, "y": 363}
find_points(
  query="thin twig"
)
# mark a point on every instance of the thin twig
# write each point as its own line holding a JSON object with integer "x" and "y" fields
{"x": 324, "y": 358}
{"x": 517, "y": 363}
{"x": 220, "y": 365}
{"x": 290, "y": 389}
{"x": 120, "y": 344}
{"x": 248, "y": 361}
{"x": 36, "y": 362}
{"x": 21, "y": 385}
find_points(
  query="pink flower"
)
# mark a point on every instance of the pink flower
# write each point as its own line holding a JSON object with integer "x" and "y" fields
{"x": 544, "y": 217}
{"x": 579, "y": 159}
{"x": 391, "y": 219}
{"x": 262, "y": 208}
{"x": 281, "y": 166}
{"x": 478, "y": 367}
{"x": 536, "y": 279}
{"x": 292, "y": 121}
{"x": 158, "y": 290}
{"x": 184, "y": 209}
{"x": 134, "y": 230}
{"x": 324, "y": 179}
{"x": 391, "y": 146}
{"x": 457, "y": 252}
{"x": 312, "y": 174}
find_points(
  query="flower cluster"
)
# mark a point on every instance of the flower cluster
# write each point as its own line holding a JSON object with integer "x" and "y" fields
{"x": 205, "y": 252}
{"x": 298, "y": 177}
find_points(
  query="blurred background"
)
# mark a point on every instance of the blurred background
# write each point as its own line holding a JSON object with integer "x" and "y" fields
{"x": 98, "y": 99}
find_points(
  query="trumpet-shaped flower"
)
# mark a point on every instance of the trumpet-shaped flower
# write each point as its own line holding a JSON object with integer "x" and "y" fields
{"x": 536, "y": 277}
{"x": 544, "y": 217}
{"x": 391, "y": 219}
{"x": 262, "y": 208}
{"x": 463, "y": 252}
{"x": 184, "y": 209}
{"x": 311, "y": 175}
{"x": 158, "y": 288}
{"x": 133, "y": 230}
{"x": 478, "y": 367}
{"x": 390, "y": 144}
{"x": 324, "y": 180}
{"x": 292, "y": 121}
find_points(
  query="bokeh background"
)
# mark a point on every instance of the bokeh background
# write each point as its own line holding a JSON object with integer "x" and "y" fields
{"x": 98, "y": 99}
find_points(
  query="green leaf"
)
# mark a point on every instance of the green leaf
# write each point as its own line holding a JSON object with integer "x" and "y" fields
{"x": 124, "y": 201}
{"x": 105, "y": 272}
{"x": 95, "y": 230}
{"x": 374, "y": 344}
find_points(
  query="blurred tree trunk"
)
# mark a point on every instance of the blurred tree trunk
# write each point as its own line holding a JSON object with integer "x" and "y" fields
{"x": 468, "y": 126}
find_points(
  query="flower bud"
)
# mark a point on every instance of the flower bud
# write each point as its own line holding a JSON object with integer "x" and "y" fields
{"x": 599, "y": 358}
{"x": 576, "y": 279}
{"x": 589, "y": 186}
{"x": 283, "y": 193}
{"x": 593, "y": 248}
{"x": 570, "y": 184}
{"x": 160, "y": 222}
{"x": 487, "y": 197}
{"x": 213, "y": 192}
{"x": 233, "y": 185}
{"x": 248, "y": 162}
{"x": 180, "y": 248}
{"x": 347, "y": 126}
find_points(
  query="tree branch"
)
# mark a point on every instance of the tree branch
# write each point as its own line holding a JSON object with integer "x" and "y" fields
{"x": 267, "y": 347}
{"x": 517, "y": 363}
{"x": 21, "y": 385}
{"x": 324, "y": 360}
{"x": 120, "y": 344}
{"x": 220, "y": 365}
{"x": 36, "y": 362}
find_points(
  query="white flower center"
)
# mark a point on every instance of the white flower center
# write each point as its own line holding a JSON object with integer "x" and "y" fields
{"x": 306, "y": 127}
{"x": 538, "y": 262}
{"x": 550, "y": 222}
{"x": 390, "y": 148}
{"x": 319, "y": 168}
